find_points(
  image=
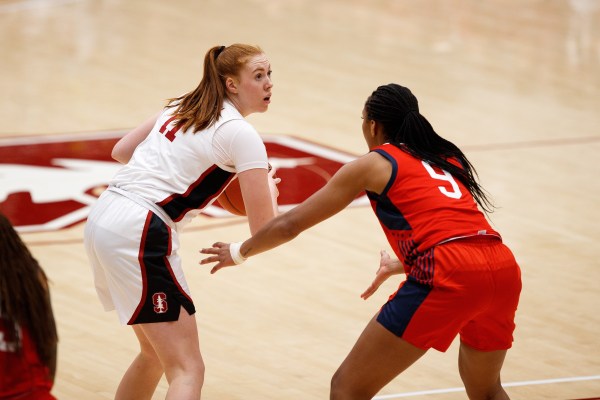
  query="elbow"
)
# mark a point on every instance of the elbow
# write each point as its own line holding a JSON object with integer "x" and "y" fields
{"x": 118, "y": 155}
{"x": 288, "y": 229}
{"x": 115, "y": 155}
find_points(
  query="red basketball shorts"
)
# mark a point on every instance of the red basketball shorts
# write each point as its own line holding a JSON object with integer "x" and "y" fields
{"x": 475, "y": 293}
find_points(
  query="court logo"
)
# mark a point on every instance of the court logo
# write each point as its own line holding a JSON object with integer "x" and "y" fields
{"x": 50, "y": 183}
{"x": 160, "y": 303}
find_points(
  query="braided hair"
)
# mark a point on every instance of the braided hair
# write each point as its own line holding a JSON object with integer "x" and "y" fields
{"x": 24, "y": 296}
{"x": 397, "y": 110}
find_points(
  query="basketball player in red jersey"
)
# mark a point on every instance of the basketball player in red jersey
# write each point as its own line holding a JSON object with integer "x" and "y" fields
{"x": 460, "y": 278}
{"x": 28, "y": 337}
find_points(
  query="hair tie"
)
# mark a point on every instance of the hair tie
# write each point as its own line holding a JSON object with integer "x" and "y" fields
{"x": 219, "y": 51}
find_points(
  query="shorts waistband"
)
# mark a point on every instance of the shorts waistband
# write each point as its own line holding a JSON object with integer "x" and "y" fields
{"x": 146, "y": 204}
{"x": 485, "y": 238}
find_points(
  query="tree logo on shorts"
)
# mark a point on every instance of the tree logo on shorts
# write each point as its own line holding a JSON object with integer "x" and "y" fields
{"x": 160, "y": 303}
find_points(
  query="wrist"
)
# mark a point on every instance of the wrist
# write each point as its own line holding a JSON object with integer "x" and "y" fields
{"x": 236, "y": 254}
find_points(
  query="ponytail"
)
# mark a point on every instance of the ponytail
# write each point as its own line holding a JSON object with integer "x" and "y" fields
{"x": 201, "y": 107}
{"x": 397, "y": 109}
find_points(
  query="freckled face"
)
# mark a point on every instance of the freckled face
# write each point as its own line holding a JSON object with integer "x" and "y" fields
{"x": 254, "y": 86}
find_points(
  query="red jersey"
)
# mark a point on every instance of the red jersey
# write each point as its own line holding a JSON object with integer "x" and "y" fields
{"x": 423, "y": 206}
{"x": 22, "y": 374}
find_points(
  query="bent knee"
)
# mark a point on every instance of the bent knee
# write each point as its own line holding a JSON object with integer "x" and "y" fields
{"x": 342, "y": 388}
{"x": 196, "y": 368}
{"x": 192, "y": 368}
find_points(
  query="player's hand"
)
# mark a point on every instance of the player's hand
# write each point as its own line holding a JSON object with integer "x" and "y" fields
{"x": 220, "y": 255}
{"x": 273, "y": 182}
{"x": 387, "y": 268}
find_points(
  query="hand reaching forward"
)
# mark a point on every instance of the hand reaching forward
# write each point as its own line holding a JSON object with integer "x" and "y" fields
{"x": 222, "y": 256}
{"x": 387, "y": 268}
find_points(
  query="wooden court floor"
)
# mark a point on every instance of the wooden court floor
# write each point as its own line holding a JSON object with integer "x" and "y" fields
{"x": 516, "y": 84}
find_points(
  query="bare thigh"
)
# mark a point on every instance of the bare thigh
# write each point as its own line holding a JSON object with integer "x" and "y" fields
{"x": 480, "y": 372}
{"x": 377, "y": 357}
{"x": 176, "y": 344}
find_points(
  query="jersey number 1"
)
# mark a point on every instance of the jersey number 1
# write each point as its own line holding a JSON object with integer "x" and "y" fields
{"x": 170, "y": 134}
{"x": 455, "y": 193}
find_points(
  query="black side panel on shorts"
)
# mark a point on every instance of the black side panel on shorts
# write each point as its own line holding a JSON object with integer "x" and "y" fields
{"x": 162, "y": 297}
{"x": 396, "y": 314}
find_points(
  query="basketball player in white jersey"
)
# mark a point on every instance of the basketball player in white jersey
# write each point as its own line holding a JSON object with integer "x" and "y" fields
{"x": 177, "y": 163}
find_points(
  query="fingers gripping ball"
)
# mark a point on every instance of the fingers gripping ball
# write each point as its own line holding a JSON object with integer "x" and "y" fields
{"x": 231, "y": 199}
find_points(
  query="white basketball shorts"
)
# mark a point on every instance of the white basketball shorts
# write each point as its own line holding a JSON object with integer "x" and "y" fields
{"x": 136, "y": 267}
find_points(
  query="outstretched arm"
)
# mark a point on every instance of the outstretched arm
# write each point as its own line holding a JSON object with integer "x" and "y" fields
{"x": 350, "y": 180}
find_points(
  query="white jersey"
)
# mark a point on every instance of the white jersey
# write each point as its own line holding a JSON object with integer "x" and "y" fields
{"x": 183, "y": 172}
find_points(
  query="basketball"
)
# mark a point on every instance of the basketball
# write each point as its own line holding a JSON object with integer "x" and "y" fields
{"x": 231, "y": 199}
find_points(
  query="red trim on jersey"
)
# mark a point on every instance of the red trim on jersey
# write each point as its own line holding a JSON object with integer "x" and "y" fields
{"x": 178, "y": 205}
